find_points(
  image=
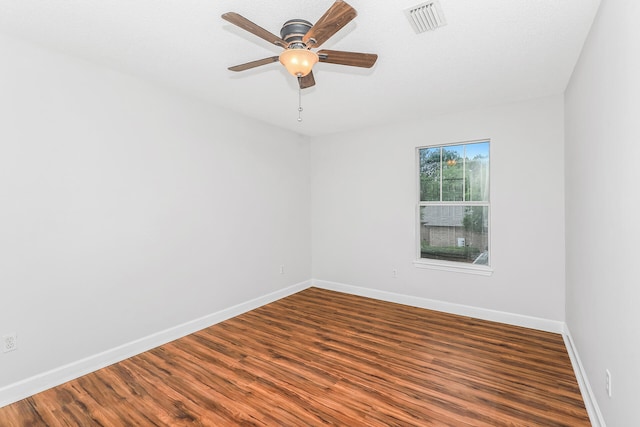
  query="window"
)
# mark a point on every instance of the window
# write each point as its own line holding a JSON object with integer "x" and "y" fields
{"x": 453, "y": 204}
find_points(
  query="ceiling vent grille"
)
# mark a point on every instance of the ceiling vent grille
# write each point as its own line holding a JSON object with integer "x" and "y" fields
{"x": 426, "y": 17}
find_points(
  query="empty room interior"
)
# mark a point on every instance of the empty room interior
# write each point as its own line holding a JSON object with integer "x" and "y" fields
{"x": 294, "y": 247}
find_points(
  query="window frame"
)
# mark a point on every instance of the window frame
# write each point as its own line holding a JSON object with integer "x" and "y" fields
{"x": 445, "y": 265}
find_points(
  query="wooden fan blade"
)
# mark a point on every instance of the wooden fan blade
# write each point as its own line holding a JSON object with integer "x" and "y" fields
{"x": 336, "y": 17}
{"x": 307, "y": 81}
{"x": 257, "y": 30}
{"x": 353, "y": 59}
{"x": 254, "y": 64}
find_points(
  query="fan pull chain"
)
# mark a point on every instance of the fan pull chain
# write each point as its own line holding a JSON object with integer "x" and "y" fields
{"x": 299, "y": 100}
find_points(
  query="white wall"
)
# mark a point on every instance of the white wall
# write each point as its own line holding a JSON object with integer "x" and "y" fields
{"x": 363, "y": 189}
{"x": 603, "y": 238}
{"x": 126, "y": 210}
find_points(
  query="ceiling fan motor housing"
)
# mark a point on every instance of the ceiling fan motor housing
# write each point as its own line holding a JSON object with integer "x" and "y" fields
{"x": 294, "y": 29}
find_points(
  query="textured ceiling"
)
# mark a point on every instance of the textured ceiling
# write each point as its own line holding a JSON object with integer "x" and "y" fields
{"x": 490, "y": 52}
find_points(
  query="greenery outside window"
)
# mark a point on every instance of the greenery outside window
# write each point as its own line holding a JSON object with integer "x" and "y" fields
{"x": 453, "y": 204}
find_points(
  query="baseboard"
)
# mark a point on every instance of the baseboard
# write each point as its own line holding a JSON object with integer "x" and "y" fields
{"x": 30, "y": 386}
{"x": 583, "y": 382}
{"x": 447, "y": 307}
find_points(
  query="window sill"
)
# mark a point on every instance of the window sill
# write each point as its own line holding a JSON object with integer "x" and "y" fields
{"x": 481, "y": 270}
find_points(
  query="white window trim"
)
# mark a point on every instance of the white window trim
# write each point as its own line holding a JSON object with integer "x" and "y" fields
{"x": 456, "y": 267}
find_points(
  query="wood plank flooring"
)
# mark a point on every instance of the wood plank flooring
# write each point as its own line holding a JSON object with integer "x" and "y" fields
{"x": 320, "y": 357}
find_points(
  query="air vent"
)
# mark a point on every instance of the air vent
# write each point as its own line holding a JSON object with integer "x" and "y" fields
{"x": 426, "y": 17}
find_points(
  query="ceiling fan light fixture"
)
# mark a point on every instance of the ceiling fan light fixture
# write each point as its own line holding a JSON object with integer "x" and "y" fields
{"x": 298, "y": 61}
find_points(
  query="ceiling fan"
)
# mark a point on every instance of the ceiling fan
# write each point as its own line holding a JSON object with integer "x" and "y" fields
{"x": 298, "y": 37}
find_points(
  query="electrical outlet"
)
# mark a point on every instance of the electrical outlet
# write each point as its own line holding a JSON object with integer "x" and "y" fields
{"x": 282, "y": 269}
{"x": 607, "y": 382}
{"x": 394, "y": 273}
{"x": 9, "y": 342}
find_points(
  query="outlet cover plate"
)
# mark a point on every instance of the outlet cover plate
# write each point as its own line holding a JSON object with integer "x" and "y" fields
{"x": 9, "y": 342}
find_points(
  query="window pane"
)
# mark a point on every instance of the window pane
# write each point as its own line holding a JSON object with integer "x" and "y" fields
{"x": 455, "y": 233}
{"x": 453, "y": 173}
{"x": 477, "y": 172}
{"x": 430, "y": 174}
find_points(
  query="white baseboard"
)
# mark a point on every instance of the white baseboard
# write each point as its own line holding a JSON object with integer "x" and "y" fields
{"x": 447, "y": 307}
{"x": 30, "y": 386}
{"x": 583, "y": 382}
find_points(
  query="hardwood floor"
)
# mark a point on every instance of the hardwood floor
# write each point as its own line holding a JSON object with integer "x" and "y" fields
{"x": 321, "y": 357}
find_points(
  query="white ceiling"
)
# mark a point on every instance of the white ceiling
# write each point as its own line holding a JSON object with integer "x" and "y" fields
{"x": 490, "y": 52}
